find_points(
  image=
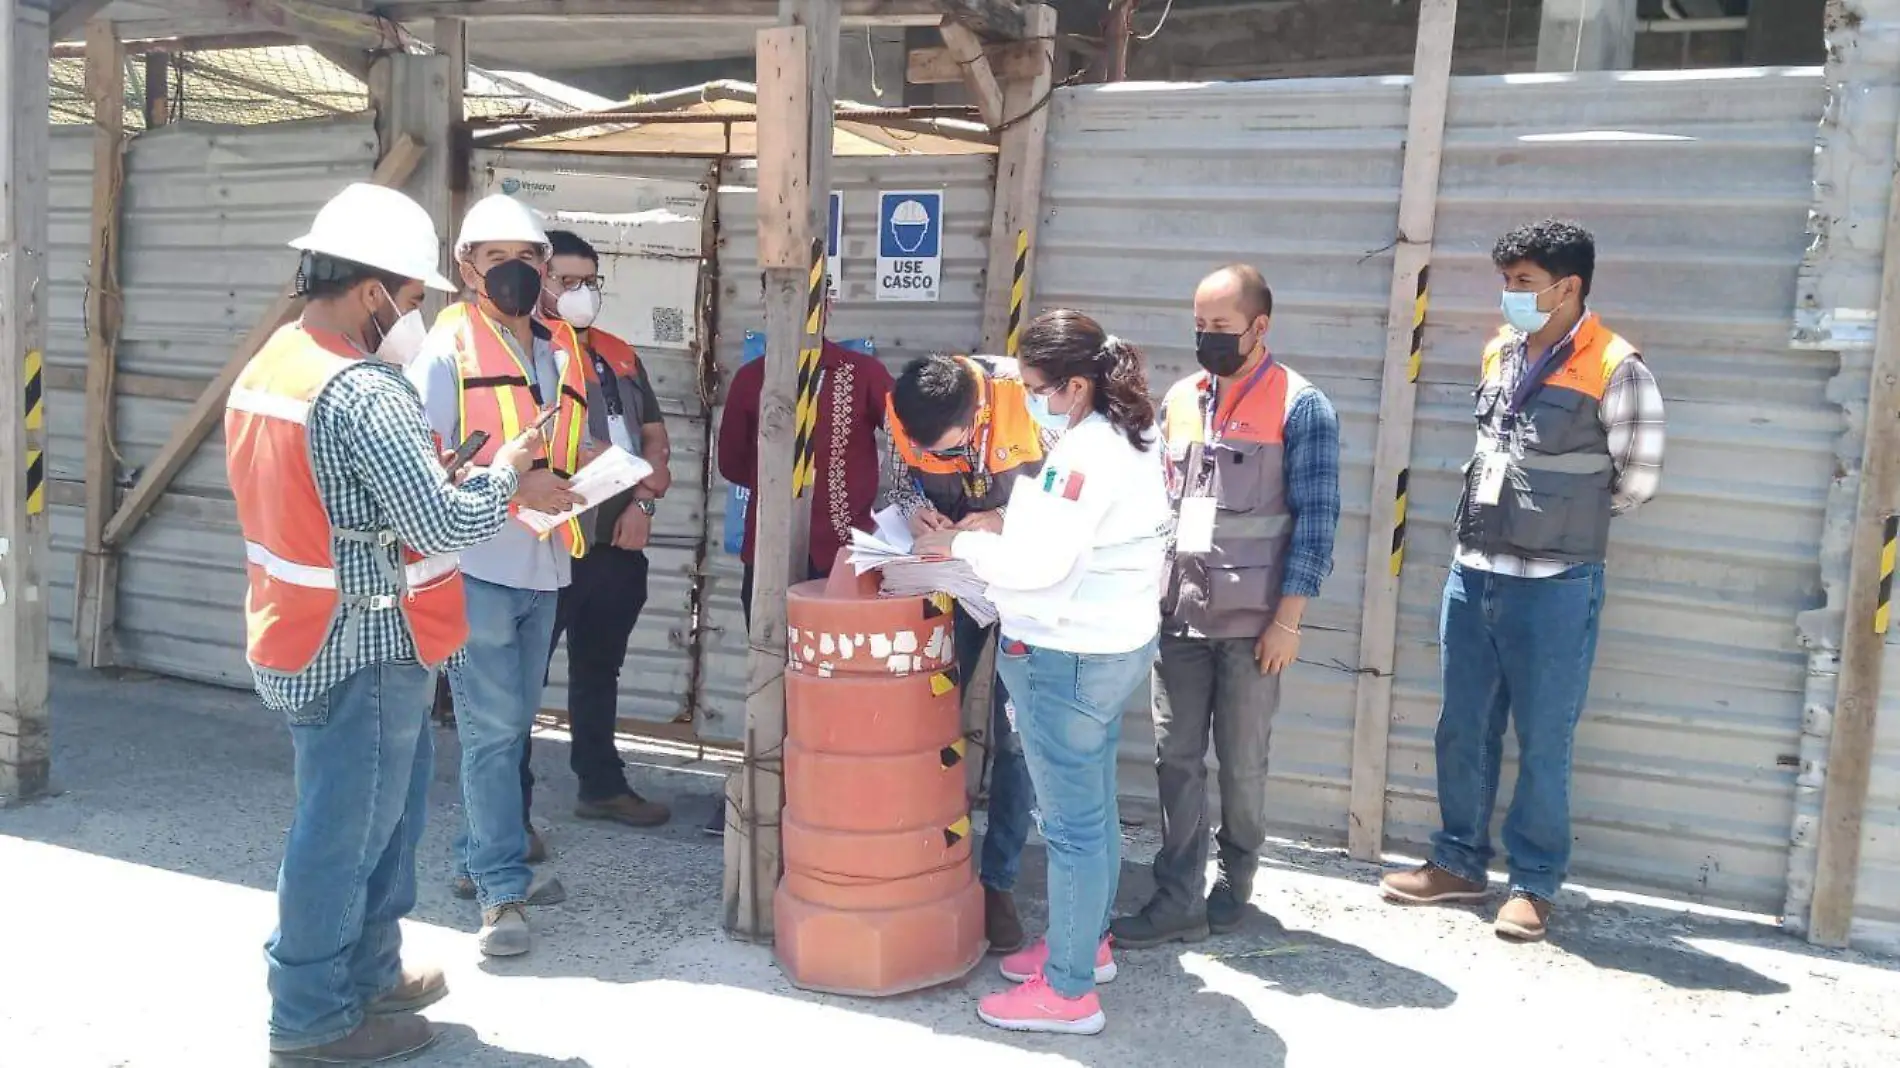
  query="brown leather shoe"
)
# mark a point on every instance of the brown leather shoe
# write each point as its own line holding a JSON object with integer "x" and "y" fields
{"x": 1429, "y": 885}
{"x": 629, "y": 809}
{"x": 1001, "y": 925}
{"x": 1524, "y": 918}
{"x": 379, "y": 1040}
{"x": 419, "y": 989}
{"x": 537, "y": 848}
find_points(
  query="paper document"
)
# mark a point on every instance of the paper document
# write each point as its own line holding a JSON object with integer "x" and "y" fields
{"x": 610, "y": 473}
{"x": 908, "y": 575}
{"x": 894, "y": 529}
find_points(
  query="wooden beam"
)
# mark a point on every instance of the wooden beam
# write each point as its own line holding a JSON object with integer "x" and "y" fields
{"x": 313, "y": 22}
{"x": 97, "y": 577}
{"x": 354, "y": 60}
{"x": 1118, "y": 38}
{"x": 797, "y": 95}
{"x": 1009, "y": 60}
{"x": 25, "y": 727}
{"x": 158, "y": 99}
{"x": 451, "y": 40}
{"x": 70, "y": 17}
{"x": 144, "y": 46}
{"x": 398, "y": 163}
{"x": 992, "y": 18}
{"x": 1398, "y": 400}
{"x": 966, "y": 49}
{"x": 410, "y": 94}
{"x": 1850, "y": 744}
{"x": 1020, "y": 156}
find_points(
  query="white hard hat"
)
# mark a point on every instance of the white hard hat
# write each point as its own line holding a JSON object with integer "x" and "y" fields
{"x": 378, "y": 227}
{"x": 500, "y": 217}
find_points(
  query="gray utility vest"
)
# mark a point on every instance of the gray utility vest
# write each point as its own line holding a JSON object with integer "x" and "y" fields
{"x": 1558, "y": 487}
{"x": 1232, "y": 590}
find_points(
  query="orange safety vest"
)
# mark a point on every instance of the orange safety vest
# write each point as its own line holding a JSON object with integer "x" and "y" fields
{"x": 493, "y": 395}
{"x": 289, "y": 541}
{"x": 1006, "y": 442}
{"x": 620, "y": 356}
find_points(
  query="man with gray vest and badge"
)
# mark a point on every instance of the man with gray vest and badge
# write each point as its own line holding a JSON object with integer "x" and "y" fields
{"x": 1570, "y": 434}
{"x": 1253, "y": 471}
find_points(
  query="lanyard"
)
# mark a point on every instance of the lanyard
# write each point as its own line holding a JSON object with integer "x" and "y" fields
{"x": 609, "y": 385}
{"x": 1210, "y": 436}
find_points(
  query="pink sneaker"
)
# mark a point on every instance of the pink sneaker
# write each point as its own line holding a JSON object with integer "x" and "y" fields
{"x": 1023, "y": 966}
{"x": 1035, "y": 1006}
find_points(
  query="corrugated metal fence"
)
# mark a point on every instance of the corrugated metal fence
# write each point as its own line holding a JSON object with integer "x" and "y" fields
{"x": 206, "y": 214}
{"x": 1697, "y": 186}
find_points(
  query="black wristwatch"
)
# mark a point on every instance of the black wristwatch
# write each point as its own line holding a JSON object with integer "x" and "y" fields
{"x": 645, "y": 505}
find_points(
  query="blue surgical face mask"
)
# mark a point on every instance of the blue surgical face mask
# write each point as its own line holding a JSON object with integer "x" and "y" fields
{"x": 1055, "y": 422}
{"x": 1520, "y": 310}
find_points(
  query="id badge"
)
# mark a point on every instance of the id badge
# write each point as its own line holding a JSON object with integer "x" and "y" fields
{"x": 617, "y": 433}
{"x": 1194, "y": 530}
{"x": 1491, "y": 477}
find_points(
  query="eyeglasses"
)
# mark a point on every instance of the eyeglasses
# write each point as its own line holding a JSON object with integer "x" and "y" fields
{"x": 569, "y": 285}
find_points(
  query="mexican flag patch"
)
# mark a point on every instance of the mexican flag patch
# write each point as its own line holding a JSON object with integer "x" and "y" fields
{"x": 1064, "y": 484}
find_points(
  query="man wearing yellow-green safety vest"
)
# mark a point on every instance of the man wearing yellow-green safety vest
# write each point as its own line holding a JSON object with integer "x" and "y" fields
{"x": 488, "y": 366}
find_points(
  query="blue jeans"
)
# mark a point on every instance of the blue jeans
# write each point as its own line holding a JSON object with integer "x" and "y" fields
{"x": 1069, "y": 710}
{"x": 1518, "y": 648}
{"x": 363, "y": 757}
{"x": 497, "y": 692}
{"x": 1012, "y": 796}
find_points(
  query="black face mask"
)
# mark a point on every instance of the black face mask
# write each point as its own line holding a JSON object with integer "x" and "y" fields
{"x": 961, "y": 452}
{"x": 1220, "y": 354}
{"x": 512, "y": 287}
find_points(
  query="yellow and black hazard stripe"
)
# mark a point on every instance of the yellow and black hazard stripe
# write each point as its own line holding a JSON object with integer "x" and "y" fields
{"x": 942, "y": 683}
{"x": 1016, "y": 292}
{"x": 1418, "y": 324}
{"x": 937, "y": 604}
{"x": 1884, "y": 604}
{"x": 951, "y": 755}
{"x": 956, "y": 832}
{"x": 1398, "y": 520}
{"x": 35, "y": 422}
{"x": 805, "y": 413}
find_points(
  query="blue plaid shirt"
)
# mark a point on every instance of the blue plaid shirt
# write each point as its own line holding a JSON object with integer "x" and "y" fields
{"x": 377, "y": 468}
{"x": 1312, "y": 492}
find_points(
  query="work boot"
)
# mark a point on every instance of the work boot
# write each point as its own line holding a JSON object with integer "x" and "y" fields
{"x": 1227, "y": 903}
{"x": 1429, "y": 885}
{"x": 1001, "y": 924}
{"x": 419, "y": 989}
{"x": 1152, "y": 927}
{"x": 505, "y": 931}
{"x": 1524, "y": 918}
{"x": 629, "y": 808}
{"x": 537, "y": 848}
{"x": 546, "y": 889}
{"x": 379, "y": 1039}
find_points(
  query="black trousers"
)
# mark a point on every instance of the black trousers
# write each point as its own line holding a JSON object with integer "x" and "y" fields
{"x": 597, "y": 612}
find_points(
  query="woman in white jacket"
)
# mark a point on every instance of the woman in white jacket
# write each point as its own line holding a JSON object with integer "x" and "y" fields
{"x": 1076, "y": 576}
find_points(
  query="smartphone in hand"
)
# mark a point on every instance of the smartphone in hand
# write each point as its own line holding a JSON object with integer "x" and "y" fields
{"x": 465, "y": 452}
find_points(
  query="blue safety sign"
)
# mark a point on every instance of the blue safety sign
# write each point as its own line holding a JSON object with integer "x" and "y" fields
{"x": 909, "y": 244}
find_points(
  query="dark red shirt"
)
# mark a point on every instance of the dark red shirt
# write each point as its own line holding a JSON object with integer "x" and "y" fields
{"x": 851, "y": 404}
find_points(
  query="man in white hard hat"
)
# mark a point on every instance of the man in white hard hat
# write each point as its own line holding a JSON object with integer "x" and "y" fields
{"x": 351, "y": 529}
{"x": 489, "y": 366}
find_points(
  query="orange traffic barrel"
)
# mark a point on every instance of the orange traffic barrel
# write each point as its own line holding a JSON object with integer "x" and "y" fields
{"x": 879, "y": 895}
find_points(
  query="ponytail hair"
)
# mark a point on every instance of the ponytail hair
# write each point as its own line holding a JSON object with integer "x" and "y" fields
{"x": 1065, "y": 344}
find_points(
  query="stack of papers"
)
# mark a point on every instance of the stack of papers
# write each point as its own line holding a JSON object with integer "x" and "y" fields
{"x": 906, "y": 574}
{"x": 611, "y": 472}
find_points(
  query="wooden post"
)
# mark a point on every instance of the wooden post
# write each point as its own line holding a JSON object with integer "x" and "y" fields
{"x": 397, "y": 164}
{"x": 1017, "y": 206}
{"x": 1121, "y": 32}
{"x": 97, "y": 578}
{"x": 413, "y": 96}
{"x": 158, "y": 100}
{"x": 451, "y": 39}
{"x": 25, "y": 755}
{"x": 1398, "y": 398}
{"x": 797, "y": 72}
{"x": 1850, "y": 744}
{"x": 973, "y": 64}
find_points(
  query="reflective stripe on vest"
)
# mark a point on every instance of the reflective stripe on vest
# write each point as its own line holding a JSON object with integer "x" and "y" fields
{"x": 293, "y": 600}
{"x": 494, "y": 395}
{"x": 1559, "y": 486}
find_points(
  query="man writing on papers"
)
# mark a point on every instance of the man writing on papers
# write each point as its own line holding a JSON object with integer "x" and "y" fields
{"x": 961, "y": 435}
{"x": 1076, "y": 577}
